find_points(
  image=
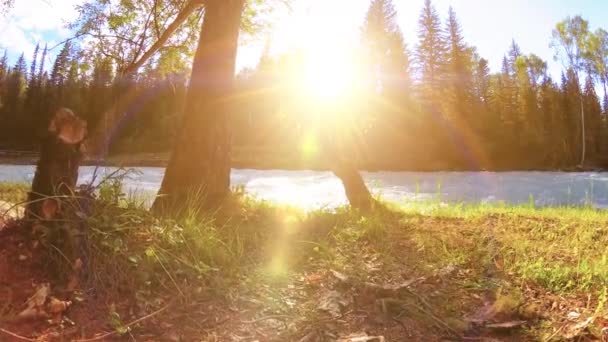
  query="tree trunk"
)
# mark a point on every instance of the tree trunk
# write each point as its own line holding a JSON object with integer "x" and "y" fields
{"x": 335, "y": 156}
{"x": 356, "y": 191}
{"x": 200, "y": 162}
{"x": 57, "y": 169}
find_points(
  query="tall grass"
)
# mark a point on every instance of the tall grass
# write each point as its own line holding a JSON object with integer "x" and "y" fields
{"x": 561, "y": 249}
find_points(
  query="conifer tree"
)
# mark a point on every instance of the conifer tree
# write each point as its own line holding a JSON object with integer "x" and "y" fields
{"x": 593, "y": 118}
{"x": 430, "y": 53}
{"x": 42, "y": 62}
{"x": 386, "y": 49}
{"x": 459, "y": 72}
{"x": 59, "y": 74}
{"x": 3, "y": 80}
{"x": 512, "y": 56}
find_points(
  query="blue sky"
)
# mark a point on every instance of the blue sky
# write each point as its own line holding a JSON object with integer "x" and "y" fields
{"x": 32, "y": 21}
{"x": 490, "y": 25}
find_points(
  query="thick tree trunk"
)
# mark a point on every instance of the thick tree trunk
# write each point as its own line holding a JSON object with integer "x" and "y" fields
{"x": 57, "y": 169}
{"x": 200, "y": 162}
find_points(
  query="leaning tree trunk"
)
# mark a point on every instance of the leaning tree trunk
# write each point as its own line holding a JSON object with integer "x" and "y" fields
{"x": 57, "y": 169}
{"x": 356, "y": 191}
{"x": 343, "y": 166}
{"x": 200, "y": 162}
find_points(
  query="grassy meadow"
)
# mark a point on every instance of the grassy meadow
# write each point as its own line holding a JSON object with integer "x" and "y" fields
{"x": 425, "y": 269}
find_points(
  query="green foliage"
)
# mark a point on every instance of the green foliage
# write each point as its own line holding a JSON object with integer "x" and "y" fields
{"x": 123, "y": 31}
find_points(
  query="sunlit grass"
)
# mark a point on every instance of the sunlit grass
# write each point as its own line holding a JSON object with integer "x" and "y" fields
{"x": 558, "y": 248}
{"x": 251, "y": 245}
{"x": 13, "y": 192}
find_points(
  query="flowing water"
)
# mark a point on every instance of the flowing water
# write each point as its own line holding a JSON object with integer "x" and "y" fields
{"x": 314, "y": 189}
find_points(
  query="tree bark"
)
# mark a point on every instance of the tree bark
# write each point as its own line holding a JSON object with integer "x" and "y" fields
{"x": 200, "y": 162}
{"x": 356, "y": 191}
{"x": 57, "y": 169}
{"x": 343, "y": 167}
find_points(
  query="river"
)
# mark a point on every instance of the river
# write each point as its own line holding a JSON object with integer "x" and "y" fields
{"x": 314, "y": 189}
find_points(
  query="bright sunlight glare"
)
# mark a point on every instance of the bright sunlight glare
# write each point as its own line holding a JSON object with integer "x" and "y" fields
{"x": 327, "y": 76}
{"x": 329, "y": 68}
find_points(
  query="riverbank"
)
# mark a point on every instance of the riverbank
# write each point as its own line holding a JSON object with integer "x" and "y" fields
{"x": 424, "y": 271}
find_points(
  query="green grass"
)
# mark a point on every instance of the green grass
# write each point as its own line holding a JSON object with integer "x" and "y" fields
{"x": 13, "y": 192}
{"x": 562, "y": 249}
{"x": 249, "y": 244}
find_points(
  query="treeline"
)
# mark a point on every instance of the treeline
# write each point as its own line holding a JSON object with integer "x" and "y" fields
{"x": 437, "y": 105}
{"x": 432, "y": 105}
{"x": 88, "y": 86}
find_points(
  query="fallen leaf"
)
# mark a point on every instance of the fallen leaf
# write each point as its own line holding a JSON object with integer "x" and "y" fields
{"x": 35, "y": 304}
{"x": 340, "y": 276}
{"x": 361, "y": 338}
{"x": 573, "y": 315}
{"x": 577, "y": 329}
{"x": 506, "y": 325}
{"x": 333, "y": 302}
{"x": 40, "y": 296}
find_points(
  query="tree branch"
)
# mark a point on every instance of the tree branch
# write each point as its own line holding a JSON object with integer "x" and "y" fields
{"x": 177, "y": 22}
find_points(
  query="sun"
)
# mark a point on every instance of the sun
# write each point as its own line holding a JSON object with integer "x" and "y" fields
{"x": 328, "y": 76}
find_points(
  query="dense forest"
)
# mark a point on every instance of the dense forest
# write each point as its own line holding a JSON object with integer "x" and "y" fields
{"x": 427, "y": 105}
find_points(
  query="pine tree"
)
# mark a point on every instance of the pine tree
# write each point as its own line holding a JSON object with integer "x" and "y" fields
{"x": 513, "y": 54}
{"x": 32, "y": 75}
{"x": 59, "y": 74}
{"x": 482, "y": 81}
{"x": 16, "y": 87}
{"x": 3, "y": 80}
{"x": 42, "y": 62}
{"x": 570, "y": 94}
{"x": 430, "y": 53}
{"x": 593, "y": 118}
{"x": 386, "y": 49}
{"x": 32, "y": 98}
{"x": 100, "y": 91}
{"x": 482, "y": 93}
{"x": 528, "y": 124}
{"x": 459, "y": 68}
{"x": 508, "y": 95}
{"x": 4, "y": 65}
{"x": 4, "y": 72}
{"x": 72, "y": 91}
